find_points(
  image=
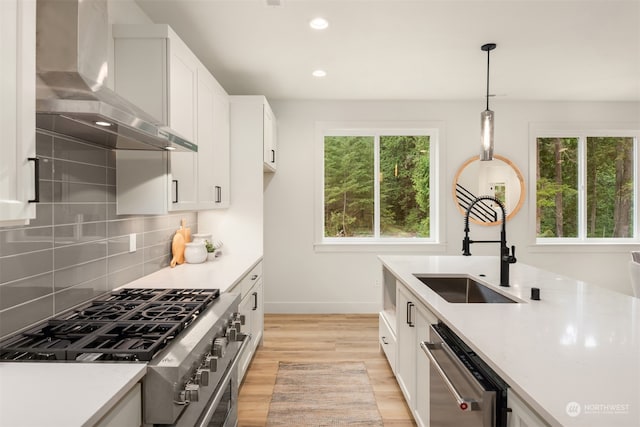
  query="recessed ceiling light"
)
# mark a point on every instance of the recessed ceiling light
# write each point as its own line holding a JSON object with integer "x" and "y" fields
{"x": 100, "y": 123}
{"x": 319, "y": 23}
{"x": 169, "y": 148}
{"x": 319, "y": 73}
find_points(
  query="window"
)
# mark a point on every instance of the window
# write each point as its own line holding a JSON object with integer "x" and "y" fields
{"x": 378, "y": 185}
{"x": 585, "y": 187}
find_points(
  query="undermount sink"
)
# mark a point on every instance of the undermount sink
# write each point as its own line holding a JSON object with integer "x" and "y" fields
{"x": 463, "y": 290}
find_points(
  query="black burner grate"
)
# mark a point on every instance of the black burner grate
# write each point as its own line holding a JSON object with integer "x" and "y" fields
{"x": 130, "y": 324}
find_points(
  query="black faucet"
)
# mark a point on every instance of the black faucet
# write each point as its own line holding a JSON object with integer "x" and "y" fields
{"x": 506, "y": 258}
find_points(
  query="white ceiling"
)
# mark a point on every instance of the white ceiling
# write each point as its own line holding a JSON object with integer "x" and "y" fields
{"x": 420, "y": 49}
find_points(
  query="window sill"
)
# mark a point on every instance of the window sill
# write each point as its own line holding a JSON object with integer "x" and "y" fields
{"x": 381, "y": 247}
{"x": 584, "y": 247}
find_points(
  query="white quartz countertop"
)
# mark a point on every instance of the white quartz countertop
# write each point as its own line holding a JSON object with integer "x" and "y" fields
{"x": 62, "y": 394}
{"x": 580, "y": 344}
{"x": 222, "y": 273}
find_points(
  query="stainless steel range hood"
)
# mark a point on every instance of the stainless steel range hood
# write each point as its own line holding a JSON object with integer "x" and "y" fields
{"x": 72, "y": 66}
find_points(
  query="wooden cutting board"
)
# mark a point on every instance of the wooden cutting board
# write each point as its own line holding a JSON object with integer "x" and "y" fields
{"x": 177, "y": 249}
{"x": 185, "y": 231}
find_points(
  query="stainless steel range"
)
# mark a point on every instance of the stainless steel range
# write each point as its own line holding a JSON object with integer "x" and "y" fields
{"x": 191, "y": 340}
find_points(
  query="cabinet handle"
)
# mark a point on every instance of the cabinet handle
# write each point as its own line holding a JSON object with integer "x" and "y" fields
{"x": 255, "y": 301}
{"x": 218, "y": 194}
{"x": 254, "y": 277}
{"x": 409, "y": 316}
{"x": 384, "y": 340}
{"x": 273, "y": 156}
{"x": 175, "y": 181}
{"x": 36, "y": 179}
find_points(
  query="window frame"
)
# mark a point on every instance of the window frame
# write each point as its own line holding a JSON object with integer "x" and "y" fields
{"x": 435, "y": 131}
{"x": 582, "y": 131}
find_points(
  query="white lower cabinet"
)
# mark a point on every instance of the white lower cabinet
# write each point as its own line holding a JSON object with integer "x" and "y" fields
{"x": 412, "y": 367}
{"x": 387, "y": 340}
{"x": 521, "y": 414}
{"x": 251, "y": 290}
{"x": 127, "y": 412}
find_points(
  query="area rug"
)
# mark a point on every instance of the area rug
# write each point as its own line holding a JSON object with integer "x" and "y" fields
{"x": 323, "y": 394}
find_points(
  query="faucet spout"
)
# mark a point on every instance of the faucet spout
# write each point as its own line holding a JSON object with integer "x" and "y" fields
{"x": 506, "y": 256}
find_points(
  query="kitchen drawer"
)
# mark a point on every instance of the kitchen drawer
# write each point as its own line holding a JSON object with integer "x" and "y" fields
{"x": 248, "y": 281}
{"x": 387, "y": 340}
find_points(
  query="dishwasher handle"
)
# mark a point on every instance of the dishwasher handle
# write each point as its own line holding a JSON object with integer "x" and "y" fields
{"x": 463, "y": 403}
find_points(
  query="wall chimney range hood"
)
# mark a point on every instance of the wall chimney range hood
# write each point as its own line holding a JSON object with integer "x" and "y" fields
{"x": 71, "y": 72}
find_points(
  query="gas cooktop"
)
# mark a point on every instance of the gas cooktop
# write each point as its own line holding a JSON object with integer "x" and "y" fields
{"x": 125, "y": 325}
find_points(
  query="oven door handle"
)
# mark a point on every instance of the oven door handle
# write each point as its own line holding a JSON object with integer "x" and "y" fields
{"x": 231, "y": 370}
{"x": 463, "y": 403}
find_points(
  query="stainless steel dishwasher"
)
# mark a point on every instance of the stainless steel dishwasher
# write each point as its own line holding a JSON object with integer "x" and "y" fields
{"x": 464, "y": 391}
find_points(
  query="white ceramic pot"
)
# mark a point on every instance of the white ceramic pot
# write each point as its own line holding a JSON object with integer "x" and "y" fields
{"x": 195, "y": 252}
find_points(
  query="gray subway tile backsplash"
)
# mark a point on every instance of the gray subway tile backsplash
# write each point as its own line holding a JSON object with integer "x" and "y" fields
{"x": 79, "y": 172}
{"x": 71, "y": 297}
{"x": 24, "y": 290}
{"x": 24, "y": 315}
{"x": 77, "y": 274}
{"x": 77, "y": 247}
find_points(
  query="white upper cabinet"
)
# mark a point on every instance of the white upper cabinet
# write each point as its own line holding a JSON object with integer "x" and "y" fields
{"x": 269, "y": 139}
{"x": 18, "y": 167}
{"x": 213, "y": 143}
{"x": 156, "y": 71}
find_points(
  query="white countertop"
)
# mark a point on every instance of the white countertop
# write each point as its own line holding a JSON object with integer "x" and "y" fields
{"x": 222, "y": 273}
{"x": 580, "y": 343}
{"x": 62, "y": 394}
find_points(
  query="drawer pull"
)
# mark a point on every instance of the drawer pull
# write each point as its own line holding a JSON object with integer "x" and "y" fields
{"x": 255, "y": 301}
{"x": 384, "y": 340}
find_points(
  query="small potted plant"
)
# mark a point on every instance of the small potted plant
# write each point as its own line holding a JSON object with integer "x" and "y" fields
{"x": 210, "y": 250}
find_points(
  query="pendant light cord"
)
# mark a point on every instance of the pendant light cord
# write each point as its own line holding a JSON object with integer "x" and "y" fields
{"x": 488, "y": 48}
{"x": 488, "y": 54}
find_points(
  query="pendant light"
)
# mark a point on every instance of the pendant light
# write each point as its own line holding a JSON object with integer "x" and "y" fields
{"x": 486, "y": 117}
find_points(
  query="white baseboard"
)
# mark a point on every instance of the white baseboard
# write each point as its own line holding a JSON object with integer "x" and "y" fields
{"x": 321, "y": 307}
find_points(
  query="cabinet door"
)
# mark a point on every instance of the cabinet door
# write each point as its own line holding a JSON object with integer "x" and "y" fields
{"x": 127, "y": 412}
{"x": 183, "y": 179}
{"x": 257, "y": 315}
{"x": 245, "y": 309}
{"x": 406, "y": 356}
{"x": 17, "y": 111}
{"x": 521, "y": 415}
{"x": 213, "y": 143}
{"x": 269, "y": 139}
{"x": 183, "y": 77}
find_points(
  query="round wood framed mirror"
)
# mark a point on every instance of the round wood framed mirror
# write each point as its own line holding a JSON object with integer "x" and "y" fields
{"x": 499, "y": 178}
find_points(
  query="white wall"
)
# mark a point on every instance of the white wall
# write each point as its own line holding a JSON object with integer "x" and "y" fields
{"x": 302, "y": 280}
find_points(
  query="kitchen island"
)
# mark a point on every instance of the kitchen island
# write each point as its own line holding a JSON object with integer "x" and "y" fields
{"x": 573, "y": 356}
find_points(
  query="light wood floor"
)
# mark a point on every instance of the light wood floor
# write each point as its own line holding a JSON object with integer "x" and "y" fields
{"x": 319, "y": 338}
